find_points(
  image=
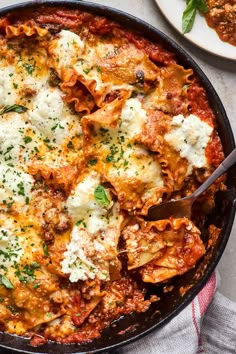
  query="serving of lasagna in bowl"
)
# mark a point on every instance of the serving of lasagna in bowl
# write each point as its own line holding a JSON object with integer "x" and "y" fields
{"x": 97, "y": 124}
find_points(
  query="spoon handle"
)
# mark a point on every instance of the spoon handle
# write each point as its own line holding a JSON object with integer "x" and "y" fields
{"x": 222, "y": 168}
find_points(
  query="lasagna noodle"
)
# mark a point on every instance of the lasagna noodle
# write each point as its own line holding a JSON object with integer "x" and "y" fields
{"x": 170, "y": 95}
{"x": 163, "y": 249}
{"x": 15, "y": 31}
{"x": 134, "y": 174}
{"x": 101, "y": 67}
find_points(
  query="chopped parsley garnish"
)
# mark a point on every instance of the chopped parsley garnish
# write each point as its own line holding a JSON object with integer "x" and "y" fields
{"x": 26, "y": 274}
{"x": 92, "y": 162}
{"x": 109, "y": 158}
{"x": 86, "y": 71}
{"x": 79, "y": 222}
{"x": 27, "y": 139}
{"x": 6, "y": 282}
{"x": 30, "y": 268}
{"x": 29, "y": 68}
{"x": 12, "y": 309}
{"x": 21, "y": 189}
{"x": 36, "y": 285}
{"x": 45, "y": 250}
{"x": 9, "y": 148}
{"x": 57, "y": 125}
{"x": 70, "y": 145}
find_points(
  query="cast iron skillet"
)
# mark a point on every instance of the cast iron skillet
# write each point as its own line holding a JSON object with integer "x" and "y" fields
{"x": 171, "y": 303}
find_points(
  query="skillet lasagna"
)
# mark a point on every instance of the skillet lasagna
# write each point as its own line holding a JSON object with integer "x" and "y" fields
{"x": 97, "y": 124}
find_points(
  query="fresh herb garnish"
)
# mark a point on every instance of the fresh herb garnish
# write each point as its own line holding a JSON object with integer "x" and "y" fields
{"x": 12, "y": 309}
{"x": 70, "y": 145}
{"x": 6, "y": 282}
{"x": 21, "y": 189}
{"x": 86, "y": 71}
{"x": 92, "y": 162}
{"x": 45, "y": 250}
{"x": 13, "y": 108}
{"x": 27, "y": 139}
{"x": 79, "y": 222}
{"x": 36, "y": 285}
{"x": 30, "y": 268}
{"x": 101, "y": 196}
{"x": 189, "y": 13}
{"x": 185, "y": 87}
{"x": 29, "y": 68}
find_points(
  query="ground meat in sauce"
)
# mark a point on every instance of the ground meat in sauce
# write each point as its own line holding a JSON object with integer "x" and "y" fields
{"x": 222, "y": 18}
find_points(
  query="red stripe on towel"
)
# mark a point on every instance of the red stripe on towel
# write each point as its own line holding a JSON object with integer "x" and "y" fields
{"x": 206, "y": 294}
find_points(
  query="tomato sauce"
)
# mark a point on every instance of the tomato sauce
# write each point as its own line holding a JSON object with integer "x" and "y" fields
{"x": 222, "y": 18}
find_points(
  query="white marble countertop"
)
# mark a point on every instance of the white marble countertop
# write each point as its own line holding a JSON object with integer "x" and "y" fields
{"x": 222, "y": 74}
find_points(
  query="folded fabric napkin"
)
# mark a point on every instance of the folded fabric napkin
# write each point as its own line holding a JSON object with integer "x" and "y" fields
{"x": 207, "y": 325}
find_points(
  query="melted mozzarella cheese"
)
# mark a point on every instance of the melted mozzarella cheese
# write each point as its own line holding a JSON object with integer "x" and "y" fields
{"x": 10, "y": 246}
{"x": 127, "y": 158}
{"x": 27, "y": 75}
{"x": 190, "y": 136}
{"x": 133, "y": 117}
{"x": 138, "y": 164}
{"x": 69, "y": 51}
{"x": 19, "y": 140}
{"x": 88, "y": 68}
{"x": 15, "y": 185}
{"x": 36, "y": 84}
{"x": 93, "y": 234}
{"x": 67, "y": 48}
{"x": 7, "y": 92}
{"x": 82, "y": 205}
{"x": 12, "y": 131}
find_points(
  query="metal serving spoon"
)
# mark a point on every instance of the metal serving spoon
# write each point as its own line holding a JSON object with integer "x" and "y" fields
{"x": 182, "y": 207}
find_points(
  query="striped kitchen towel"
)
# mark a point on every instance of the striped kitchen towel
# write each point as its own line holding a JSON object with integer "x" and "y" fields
{"x": 207, "y": 326}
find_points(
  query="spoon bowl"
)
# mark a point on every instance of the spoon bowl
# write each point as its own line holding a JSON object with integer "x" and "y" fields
{"x": 182, "y": 207}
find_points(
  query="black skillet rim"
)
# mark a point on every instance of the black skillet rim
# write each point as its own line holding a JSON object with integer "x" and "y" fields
{"x": 228, "y": 143}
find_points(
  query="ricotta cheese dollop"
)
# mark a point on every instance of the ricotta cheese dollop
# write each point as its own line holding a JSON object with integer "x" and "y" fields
{"x": 94, "y": 235}
{"x": 190, "y": 136}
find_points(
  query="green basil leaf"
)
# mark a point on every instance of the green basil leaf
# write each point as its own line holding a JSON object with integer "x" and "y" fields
{"x": 13, "y": 108}
{"x": 202, "y": 6}
{"x": 101, "y": 196}
{"x": 189, "y": 16}
{"x": 6, "y": 282}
